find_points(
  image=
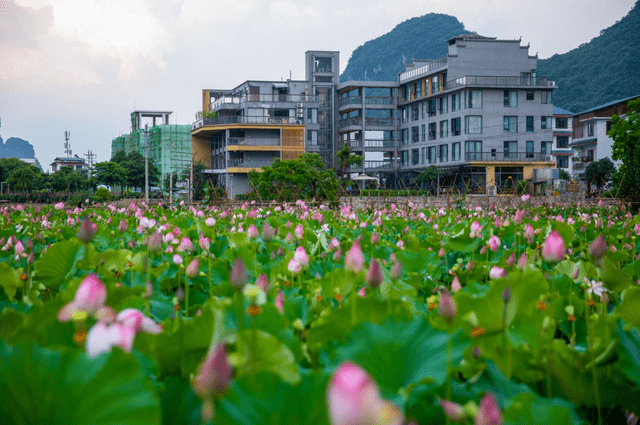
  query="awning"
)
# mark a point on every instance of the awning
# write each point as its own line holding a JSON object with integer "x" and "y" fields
{"x": 561, "y": 153}
{"x": 364, "y": 177}
{"x": 280, "y": 85}
{"x": 583, "y": 142}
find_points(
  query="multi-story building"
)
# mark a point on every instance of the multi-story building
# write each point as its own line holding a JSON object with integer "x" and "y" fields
{"x": 590, "y": 133}
{"x": 169, "y": 144}
{"x": 259, "y": 121}
{"x": 562, "y": 134}
{"x": 74, "y": 162}
{"x": 481, "y": 113}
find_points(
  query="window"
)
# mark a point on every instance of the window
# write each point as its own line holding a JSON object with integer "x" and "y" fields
{"x": 545, "y": 123}
{"x": 455, "y": 152}
{"x": 418, "y": 89}
{"x": 563, "y": 162}
{"x": 424, "y": 110}
{"x": 432, "y": 154}
{"x": 432, "y": 131}
{"x": 323, "y": 64}
{"x": 413, "y": 90}
{"x": 415, "y": 156}
{"x": 545, "y": 148}
{"x": 424, "y": 155}
{"x": 405, "y": 115}
{"x": 415, "y": 135}
{"x": 529, "y": 148}
{"x": 590, "y": 155}
{"x": 563, "y": 141}
{"x": 415, "y": 112}
{"x": 424, "y": 133}
{"x": 323, "y": 79}
{"x": 444, "y": 128}
{"x": 434, "y": 85}
{"x": 432, "y": 107}
{"x": 545, "y": 96}
{"x": 529, "y": 124}
{"x": 510, "y": 124}
{"x": 443, "y": 153}
{"x": 312, "y": 137}
{"x": 455, "y": 102}
{"x": 511, "y": 98}
{"x": 590, "y": 129}
{"x": 444, "y": 105}
{"x": 473, "y": 150}
{"x": 608, "y": 128}
{"x": 508, "y": 177}
{"x": 405, "y": 136}
{"x": 562, "y": 122}
{"x": 455, "y": 126}
{"x": 473, "y": 99}
{"x": 510, "y": 149}
{"x": 473, "y": 124}
{"x": 312, "y": 115}
{"x": 529, "y": 94}
{"x": 404, "y": 158}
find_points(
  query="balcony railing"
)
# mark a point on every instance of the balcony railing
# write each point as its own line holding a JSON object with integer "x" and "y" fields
{"x": 379, "y": 100}
{"x": 351, "y": 100}
{"x": 505, "y": 156}
{"x": 236, "y": 141}
{"x": 221, "y": 120}
{"x": 580, "y": 166}
{"x": 248, "y": 164}
{"x": 431, "y": 66}
{"x": 497, "y": 81}
{"x": 383, "y": 143}
{"x": 238, "y": 100}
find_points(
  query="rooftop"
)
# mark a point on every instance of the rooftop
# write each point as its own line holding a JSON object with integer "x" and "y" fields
{"x": 606, "y": 105}
{"x": 560, "y": 111}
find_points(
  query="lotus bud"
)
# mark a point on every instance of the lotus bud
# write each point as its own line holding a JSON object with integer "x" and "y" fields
{"x": 511, "y": 261}
{"x": 506, "y": 295}
{"x": 455, "y": 285}
{"x": 252, "y": 232}
{"x": 452, "y": 410}
{"x": 447, "y": 306}
{"x": 122, "y": 227}
{"x": 396, "y": 270}
{"x": 354, "y": 260}
{"x": 90, "y": 296}
{"x": 362, "y": 292}
{"x": 154, "y": 242}
{"x": 299, "y": 231}
{"x": 268, "y": 232}
{"x": 494, "y": 243}
{"x": 488, "y": 412}
{"x": 553, "y": 249}
{"x": 214, "y": 373}
{"x": 288, "y": 238}
{"x": 374, "y": 274}
{"x": 239, "y": 275}
{"x": 522, "y": 261}
{"x": 279, "y": 302}
{"x": 280, "y": 252}
{"x": 598, "y": 247}
{"x": 193, "y": 267}
{"x": 301, "y": 256}
{"x": 337, "y": 255}
{"x": 375, "y": 238}
{"x": 497, "y": 273}
{"x": 87, "y": 230}
{"x": 29, "y": 244}
{"x": 177, "y": 260}
{"x": 476, "y": 352}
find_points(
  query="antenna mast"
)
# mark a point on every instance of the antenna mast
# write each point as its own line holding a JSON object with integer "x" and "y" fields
{"x": 67, "y": 146}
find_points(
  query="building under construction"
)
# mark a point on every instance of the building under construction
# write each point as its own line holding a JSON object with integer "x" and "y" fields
{"x": 169, "y": 144}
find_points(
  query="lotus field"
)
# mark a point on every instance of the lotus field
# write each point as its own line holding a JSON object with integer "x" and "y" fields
{"x": 299, "y": 314}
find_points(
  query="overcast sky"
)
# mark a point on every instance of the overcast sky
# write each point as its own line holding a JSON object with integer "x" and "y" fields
{"x": 85, "y": 65}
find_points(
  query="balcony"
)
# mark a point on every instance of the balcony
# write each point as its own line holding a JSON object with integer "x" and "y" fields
{"x": 235, "y": 102}
{"x": 237, "y": 119}
{"x": 424, "y": 69}
{"x": 506, "y": 156}
{"x": 373, "y": 144}
{"x": 241, "y": 163}
{"x": 369, "y": 122}
{"x": 497, "y": 81}
{"x": 252, "y": 142}
{"x": 580, "y": 166}
{"x": 351, "y": 100}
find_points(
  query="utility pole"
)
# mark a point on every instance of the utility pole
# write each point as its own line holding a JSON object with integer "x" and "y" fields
{"x": 90, "y": 159}
{"x": 146, "y": 163}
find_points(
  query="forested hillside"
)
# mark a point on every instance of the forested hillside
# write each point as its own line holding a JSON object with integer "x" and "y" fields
{"x": 600, "y": 71}
{"x": 420, "y": 38}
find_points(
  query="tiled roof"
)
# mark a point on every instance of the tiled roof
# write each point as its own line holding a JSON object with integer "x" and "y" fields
{"x": 605, "y": 105}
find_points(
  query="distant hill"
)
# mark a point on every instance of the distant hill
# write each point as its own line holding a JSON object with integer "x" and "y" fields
{"x": 15, "y": 147}
{"x": 605, "y": 69}
{"x": 420, "y": 38}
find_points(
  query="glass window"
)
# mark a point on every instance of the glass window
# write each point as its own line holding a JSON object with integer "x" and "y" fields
{"x": 473, "y": 124}
{"x": 508, "y": 177}
{"x": 415, "y": 156}
{"x": 455, "y": 152}
{"x": 529, "y": 148}
{"x": 432, "y": 131}
{"x": 444, "y": 105}
{"x": 323, "y": 64}
{"x": 424, "y": 110}
{"x": 545, "y": 96}
{"x": 444, "y": 128}
{"x": 424, "y": 155}
{"x": 455, "y": 102}
{"x": 563, "y": 141}
{"x": 511, "y": 98}
{"x": 590, "y": 129}
{"x": 563, "y": 162}
{"x": 545, "y": 123}
{"x": 407, "y": 92}
{"x": 545, "y": 148}
{"x": 434, "y": 85}
{"x": 510, "y": 124}
{"x": 415, "y": 112}
{"x": 510, "y": 149}
{"x": 455, "y": 126}
{"x": 529, "y": 94}
{"x": 432, "y": 107}
{"x": 405, "y": 136}
{"x": 529, "y": 124}
{"x": 415, "y": 135}
{"x": 444, "y": 153}
{"x": 418, "y": 89}
{"x": 562, "y": 122}
{"x": 432, "y": 154}
{"x": 424, "y": 133}
{"x": 405, "y": 115}
{"x": 473, "y": 150}
{"x": 473, "y": 99}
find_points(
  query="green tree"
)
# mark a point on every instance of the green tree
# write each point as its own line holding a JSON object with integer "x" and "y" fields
{"x": 109, "y": 173}
{"x": 563, "y": 175}
{"x": 346, "y": 159}
{"x": 599, "y": 172}
{"x": 66, "y": 178}
{"x": 626, "y": 148}
{"x": 134, "y": 169}
{"x": 27, "y": 179}
{"x": 119, "y": 157}
{"x": 289, "y": 180}
{"x": 7, "y": 165}
{"x": 428, "y": 176}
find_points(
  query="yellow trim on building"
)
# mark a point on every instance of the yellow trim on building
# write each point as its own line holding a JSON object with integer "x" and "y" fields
{"x": 242, "y": 170}
{"x": 232, "y": 148}
{"x": 220, "y": 127}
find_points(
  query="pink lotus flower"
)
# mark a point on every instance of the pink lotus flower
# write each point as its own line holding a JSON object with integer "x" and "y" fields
{"x": 122, "y": 227}
{"x": 268, "y": 232}
{"x": 214, "y": 373}
{"x": 334, "y": 244}
{"x": 294, "y": 265}
{"x": 374, "y": 274}
{"x": 89, "y": 297}
{"x": 522, "y": 261}
{"x": 452, "y": 410}
{"x": 210, "y": 222}
{"x": 511, "y": 261}
{"x": 455, "y": 285}
{"x": 204, "y": 243}
{"x": 374, "y": 238}
{"x": 87, "y": 230}
{"x": 353, "y": 399}
{"x": 177, "y": 260}
{"x": 494, "y": 243}
{"x": 497, "y": 273}
{"x": 238, "y": 275}
{"x": 362, "y": 292}
{"x": 263, "y": 283}
{"x": 476, "y": 228}
{"x": 193, "y": 268}
{"x": 598, "y": 247}
{"x": 299, "y": 231}
{"x": 279, "y": 302}
{"x": 488, "y": 412}
{"x": 525, "y": 198}
{"x": 529, "y": 233}
{"x": 185, "y": 244}
{"x": 102, "y": 337}
{"x": 553, "y": 249}
{"x": 396, "y": 270}
{"x": 59, "y": 206}
{"x": 252, "y": 232}
{"x": 354, "y": 260}
{"x": 134, "y": 319}
{"x": 301, "y": 256}
{"x": 447, "y": 306}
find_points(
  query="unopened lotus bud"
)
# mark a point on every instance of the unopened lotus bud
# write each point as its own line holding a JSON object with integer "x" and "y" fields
{"x": 375, "y": 238}
{"x": 214, "y": 373}
{"x": 154, "y": 242}
{"x": 267, "y": 232}
{"x": 452, "y": 410}
{"x": 354, "y": 260}
{"x": 511, "y": 261}
{"x": 374, "y": 274}
{"x": 29, "y": 244}
{"x": 598, "y": 247}
{"x": 476, "y": 352}
{"x": 455, "y": 285}
{"x": 553, "y": 249}
{"x": 122, "y": 227}
{"x": 447, "y": 306}
{"x": 506, "y": 295}
{"x": 193, "y": 267}
{"x": 87, "y": 230}
{"x": 396, "y": 270}
{"x": 263, "y": 283}
{"x": 238, "y": 276}
{"x": 488, "y": 412}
